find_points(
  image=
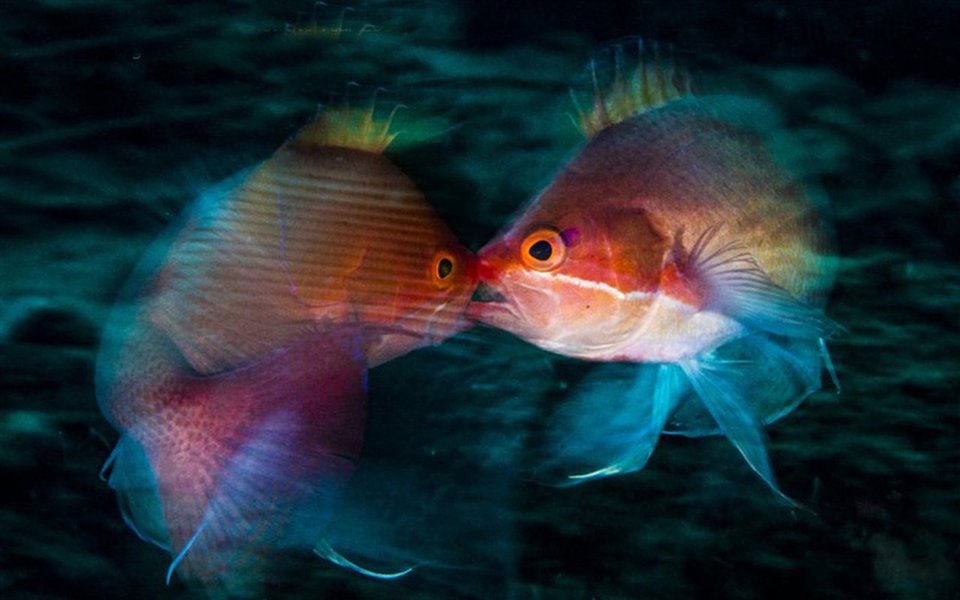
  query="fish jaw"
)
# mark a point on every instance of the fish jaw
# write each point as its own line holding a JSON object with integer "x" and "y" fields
{"x": 421, "y": 312}
{"x": 388, "y": 342}
{"x": 499, "y": 314}
{"x": 505, "y": 308}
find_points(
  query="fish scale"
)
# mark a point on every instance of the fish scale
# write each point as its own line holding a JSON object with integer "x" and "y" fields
{"x": 236, "y": 372}
{"x": 677, "y": 243}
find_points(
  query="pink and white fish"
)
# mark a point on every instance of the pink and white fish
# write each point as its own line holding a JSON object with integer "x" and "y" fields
{"x": 672, "y": 242}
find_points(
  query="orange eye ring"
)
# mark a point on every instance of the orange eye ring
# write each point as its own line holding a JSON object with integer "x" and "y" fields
{"x": 443, "y": 269}
{"x": 543, "y": 250}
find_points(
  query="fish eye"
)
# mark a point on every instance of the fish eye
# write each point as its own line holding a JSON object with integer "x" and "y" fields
{"x": 543, "y": 250}
{"x": 443, "y": 268}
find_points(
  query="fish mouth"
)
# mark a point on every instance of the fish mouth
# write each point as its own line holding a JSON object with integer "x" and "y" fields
{"x": 489, "y": 305}
{"x": 486, "y": 293}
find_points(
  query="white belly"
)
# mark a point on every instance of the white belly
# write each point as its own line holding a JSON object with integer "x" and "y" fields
{"x": 671, "y": 331}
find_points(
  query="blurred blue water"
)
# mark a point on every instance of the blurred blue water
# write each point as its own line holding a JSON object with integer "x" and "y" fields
{"x": 115, "y": 115}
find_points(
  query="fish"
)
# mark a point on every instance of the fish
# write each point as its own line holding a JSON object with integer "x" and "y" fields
{"x": 236, "y": 369}
{"x": 676, "y": 251}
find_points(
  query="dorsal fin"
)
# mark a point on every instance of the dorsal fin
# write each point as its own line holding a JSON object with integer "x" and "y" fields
{"x": 651, "y": 83}
{"x": 349, "y": 127}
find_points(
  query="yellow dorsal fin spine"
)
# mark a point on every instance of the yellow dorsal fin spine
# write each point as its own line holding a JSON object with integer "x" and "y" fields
{"x": 652, "y": 83}
{"x": 350, "y": 127}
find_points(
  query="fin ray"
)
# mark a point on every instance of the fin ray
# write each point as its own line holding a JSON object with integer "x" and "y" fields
{"x": 828, "y": 363}
{"x": 653, "y": 82}
{"x": 737, "y": 286}
{"x": 734, "y": 417}
{"x": 325, "y": 550}
{"x": 132, "y": 479}
{"x": 779, "y": 373}
{"x": 613, "y": 422}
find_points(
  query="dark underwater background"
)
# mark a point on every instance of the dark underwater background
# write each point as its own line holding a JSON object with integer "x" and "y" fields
{"x": 114, "y": 115}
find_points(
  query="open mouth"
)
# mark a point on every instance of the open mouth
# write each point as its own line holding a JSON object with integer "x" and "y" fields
{"x": 486, "y": 293}
{"x": 488, "y": 305}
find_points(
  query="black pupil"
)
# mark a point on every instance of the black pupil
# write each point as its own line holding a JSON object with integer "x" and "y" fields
{"x": 444, "y": 268}
{"x": 542, "y": 250}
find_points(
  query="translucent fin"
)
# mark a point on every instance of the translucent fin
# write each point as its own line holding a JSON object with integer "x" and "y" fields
{"x": 725, "y": 401}
{"x": 183, "y": 552}
{"x": 350, "y": 127}
{"x": 325, "y": 550}
{"x": 619, "y": 92}
{"x": 735, "y": 284}
{"x": 132, "y": 478}
{"x": 611, "y": 423}
{"x": 256, "y": 459}
{"x": 434, "y": 487}
{"x": 775, "y": 373}
{"x": 443, "y": 515}
{"x": 828, "y": 363}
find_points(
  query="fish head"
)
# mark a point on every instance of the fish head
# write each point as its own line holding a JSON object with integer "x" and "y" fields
{"x": 432, "y": 281}
{"x": 377, "y": 254}
{"x": 573, "y": 274}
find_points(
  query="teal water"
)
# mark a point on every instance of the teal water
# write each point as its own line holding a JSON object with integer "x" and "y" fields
{"x": 115, "y": 116}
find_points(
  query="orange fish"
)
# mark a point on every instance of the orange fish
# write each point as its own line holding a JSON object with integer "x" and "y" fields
{"x": 237, "y": 374}
{"x": 673, "y": 240}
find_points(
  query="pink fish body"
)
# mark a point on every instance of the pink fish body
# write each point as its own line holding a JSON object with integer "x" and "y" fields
{"x": 671, "y": 238}
{"x": 237, "y": 374}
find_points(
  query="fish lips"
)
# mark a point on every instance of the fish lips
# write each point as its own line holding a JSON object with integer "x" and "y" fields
{"x": 486, "y": 301}
{"x": 486, "y": 293}
{"x": 493, "y": 301}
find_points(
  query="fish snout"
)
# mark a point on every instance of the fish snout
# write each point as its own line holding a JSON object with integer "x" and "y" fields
{"x": 485, "y": 270}
{"x": 488, "y": 275}
{"x": 492, "y": 300}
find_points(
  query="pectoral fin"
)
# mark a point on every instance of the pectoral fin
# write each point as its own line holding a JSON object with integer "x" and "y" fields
{"x": 728, "y": 279}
